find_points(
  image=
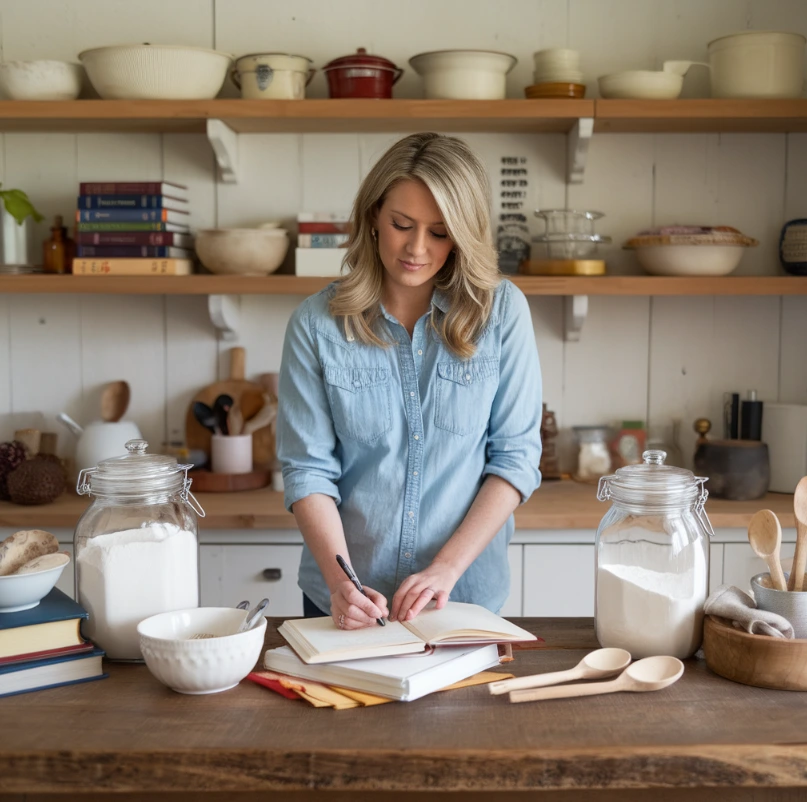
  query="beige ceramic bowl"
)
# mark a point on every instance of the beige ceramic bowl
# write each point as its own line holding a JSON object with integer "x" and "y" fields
{"x": 242, "y": 251}
{"x": 689, "y": 260}
{"x": 40, "y": 80}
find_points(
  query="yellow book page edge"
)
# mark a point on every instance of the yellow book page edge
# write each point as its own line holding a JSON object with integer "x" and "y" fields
{"x": 482, "y": 678}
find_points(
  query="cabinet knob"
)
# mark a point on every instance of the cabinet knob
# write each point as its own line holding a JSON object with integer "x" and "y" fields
{"x": 272, "y": 574}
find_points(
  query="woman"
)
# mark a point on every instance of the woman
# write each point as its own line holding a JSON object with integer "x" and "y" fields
{"x": 410, "y": 399}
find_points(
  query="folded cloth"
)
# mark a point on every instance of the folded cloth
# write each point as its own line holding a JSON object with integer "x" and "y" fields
{"x": 738, "y": 607}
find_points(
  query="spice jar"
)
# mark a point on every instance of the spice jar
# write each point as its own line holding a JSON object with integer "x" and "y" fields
{"x": 594, "y": 457}
{"x": 136, "y": 551}
{"x": 652, "y": 559}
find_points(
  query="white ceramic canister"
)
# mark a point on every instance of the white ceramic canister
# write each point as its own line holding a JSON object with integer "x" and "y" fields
{"x": 757, "y": 64}
{"x": 272, "y": 76}
{"x": 464, "y": 74}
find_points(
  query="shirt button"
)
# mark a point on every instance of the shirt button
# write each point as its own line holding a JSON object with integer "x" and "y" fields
{"x": 407, "y": 554}
{"x": 414, "y": 473}
{"x": 411, "y": 514}
{"x": 417, "y": 437}
{"x": 420, "y": 353}
{"x": 412, "y": 395}
{"x": 467, "y": 377}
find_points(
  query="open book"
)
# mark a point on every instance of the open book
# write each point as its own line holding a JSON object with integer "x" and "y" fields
{"x": 319, "y": 640}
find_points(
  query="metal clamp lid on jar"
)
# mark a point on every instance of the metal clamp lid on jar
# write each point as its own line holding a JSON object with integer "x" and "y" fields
{"x": 656, "y": 486}
{"x": 137, "y": 474}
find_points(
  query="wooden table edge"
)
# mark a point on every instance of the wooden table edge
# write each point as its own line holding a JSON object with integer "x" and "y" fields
{"x": 240, "y": 770}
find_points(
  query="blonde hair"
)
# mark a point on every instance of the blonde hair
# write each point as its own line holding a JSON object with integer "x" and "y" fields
{"x": 459, "y": 185}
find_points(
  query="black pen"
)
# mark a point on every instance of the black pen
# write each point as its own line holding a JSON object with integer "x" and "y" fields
{"x": 355, "y": 580}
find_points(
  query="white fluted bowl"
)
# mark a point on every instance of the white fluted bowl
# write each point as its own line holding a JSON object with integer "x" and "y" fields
{"x": 40, "y": 80}
{"x": 195, "y": 667}
{"x": 155, "y": 72}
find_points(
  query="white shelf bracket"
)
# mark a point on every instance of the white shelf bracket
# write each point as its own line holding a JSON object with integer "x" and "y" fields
{"x": 224, "y": 142}
{"x": 225, "y": 314}
{"x": 577, "y": 144}
{"x": 575, "y": 311}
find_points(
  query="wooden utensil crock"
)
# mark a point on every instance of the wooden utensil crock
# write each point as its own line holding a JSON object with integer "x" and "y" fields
{"x": 250, "y": 397}
{"x": 758, "y": 660}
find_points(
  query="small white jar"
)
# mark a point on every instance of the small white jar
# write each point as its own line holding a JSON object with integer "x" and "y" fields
{"x": 272, "y": 76}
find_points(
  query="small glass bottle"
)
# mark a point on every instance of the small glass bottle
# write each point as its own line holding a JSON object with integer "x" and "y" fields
{"x": 136, "y": 551}
{"x": 652, "y": 559}
{"x": 58, "y": 250}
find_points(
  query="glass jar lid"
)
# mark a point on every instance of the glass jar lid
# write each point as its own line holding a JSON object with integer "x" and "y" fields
{"x": 137, "y": 474}
{"x": 655, "y": 486}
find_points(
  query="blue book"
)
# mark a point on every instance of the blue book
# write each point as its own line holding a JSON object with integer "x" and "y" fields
{"x": 50, "y": 673}
{"x": 130, "y": 202}
{"x": 132, "y": 252}
{"x": 52, "y": 624}
{"x": 130, "y": 216}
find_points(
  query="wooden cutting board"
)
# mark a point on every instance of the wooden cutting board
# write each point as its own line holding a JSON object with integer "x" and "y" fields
{"x": 249, "y": 395}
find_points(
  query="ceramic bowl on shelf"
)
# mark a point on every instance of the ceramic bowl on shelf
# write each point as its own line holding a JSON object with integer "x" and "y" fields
{"x": 242, "y": 251}
{"x": 40, "y": 80}
{"x": 464, "y": 74}
{"x": 206, "y": 665}
{"x": 155, "y": 72}
{"x": 555, "y": 89}
{"x": 664, "y": 84}
{"x": 689, "y": 260}
{"x": 24, "y": 591}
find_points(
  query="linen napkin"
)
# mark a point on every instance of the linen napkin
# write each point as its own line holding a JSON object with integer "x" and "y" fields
{"x": 738, "y": 607}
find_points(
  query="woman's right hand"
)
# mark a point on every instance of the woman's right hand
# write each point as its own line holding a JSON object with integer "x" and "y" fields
{"x": 353, "y": 610}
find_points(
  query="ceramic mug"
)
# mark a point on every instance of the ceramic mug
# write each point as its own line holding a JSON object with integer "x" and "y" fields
{"x": 789, "y": 604}
{"x": 231, "y": 453}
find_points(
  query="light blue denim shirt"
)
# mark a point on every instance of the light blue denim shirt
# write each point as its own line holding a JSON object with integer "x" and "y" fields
{"x": 402, "y": 438}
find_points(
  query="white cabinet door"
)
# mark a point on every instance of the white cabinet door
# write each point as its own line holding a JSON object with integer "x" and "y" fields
{"x": 559, "y": 580}
{"x": 230, "y": 574}
{"x": 740, "y": 563}
{"x": 715, "y": 566}
{"x": 513, "y": 605}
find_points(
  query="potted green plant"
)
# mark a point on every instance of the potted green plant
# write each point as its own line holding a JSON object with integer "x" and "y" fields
{"x": 16, "y": 215}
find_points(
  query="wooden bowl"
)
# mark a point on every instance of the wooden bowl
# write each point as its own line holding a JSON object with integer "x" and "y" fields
{"x": 757, "y": 660}
{"x": 555, "y": 90}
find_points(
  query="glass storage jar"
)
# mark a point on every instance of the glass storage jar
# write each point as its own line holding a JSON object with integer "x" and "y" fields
{"x": 652, "y": 559}
{"x": 136, "y": 551}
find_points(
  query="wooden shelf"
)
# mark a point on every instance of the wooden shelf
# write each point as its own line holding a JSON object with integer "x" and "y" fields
{"x": 296, "y": 285}
{"x": 700, "y": 116}
{"x": 556, "y": 505}
{"x": 358, "y": 115}
{"x": 294, "y": 116}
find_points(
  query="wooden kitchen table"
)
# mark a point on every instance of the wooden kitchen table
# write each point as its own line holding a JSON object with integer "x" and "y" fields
{"x": 129, "y": 737}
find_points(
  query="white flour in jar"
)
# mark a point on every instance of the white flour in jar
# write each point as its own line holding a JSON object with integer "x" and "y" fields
{"x": 650, "y": 613}
{"x": 127, "y": 576}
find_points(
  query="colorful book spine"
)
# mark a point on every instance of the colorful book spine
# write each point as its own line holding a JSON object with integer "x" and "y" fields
{"x": 99, "y": 227}
{"x": 129, "y": 216}
{"x": 132, "y": 267}
{"x": 322, "y": 240}
{"x": 322, "y": 217}
{"x": 132, "y": 252}
{"x": 129, "y": 202}
{"x": 130, "y": 188}
{"x": 323, "y": 228}
{"x": 109, "y": 238}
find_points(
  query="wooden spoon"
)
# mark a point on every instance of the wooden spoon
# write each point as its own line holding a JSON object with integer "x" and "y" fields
{"x": 765, "y": 537}
{"x": 595, "y": 665}
{"x": 235, "y": 419}
{"x": 114, "y": 401}
{"x": 649, "y": 674}
{"x": 800, "y": 557}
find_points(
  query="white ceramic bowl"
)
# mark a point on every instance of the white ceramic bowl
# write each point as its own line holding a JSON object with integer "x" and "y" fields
{"x": 689, "y": 260}
{"x": 24, "y": 591}
{"x": 40, "y": 80}
{"x": 155, "y": 72}
{"x": 642, "y": 84}
{"x": 209, "y": 665}
{"x": 244, "y": 251}
{"x": 464, "y": 74}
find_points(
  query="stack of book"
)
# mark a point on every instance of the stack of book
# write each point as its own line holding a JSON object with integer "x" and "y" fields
{"x": 42, "y": 647}
{"x": 133, "y": 229}
{"x": 321, "y": 241}
{"x": 401, "y": 661}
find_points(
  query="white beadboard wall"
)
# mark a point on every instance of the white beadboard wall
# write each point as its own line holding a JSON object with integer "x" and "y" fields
{"x": 652, "y": 359}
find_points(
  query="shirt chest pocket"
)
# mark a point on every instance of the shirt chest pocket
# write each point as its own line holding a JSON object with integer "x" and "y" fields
{"x": 464, "y": 394}
{"x": 360, "y": 401}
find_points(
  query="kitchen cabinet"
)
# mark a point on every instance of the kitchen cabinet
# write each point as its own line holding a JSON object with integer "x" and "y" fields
{"x": 740, "y": 563}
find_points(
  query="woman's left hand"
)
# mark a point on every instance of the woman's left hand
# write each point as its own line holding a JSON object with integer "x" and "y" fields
{"x": 417, "y": 590}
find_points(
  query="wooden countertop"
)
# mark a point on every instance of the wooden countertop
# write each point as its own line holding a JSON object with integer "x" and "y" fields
{"x": 556, "y": 505}
{"x": 130, "y": 733}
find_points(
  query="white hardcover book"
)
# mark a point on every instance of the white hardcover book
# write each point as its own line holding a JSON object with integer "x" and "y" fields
{"x": 402, "y": 677}
{"x": 318, "y": 261}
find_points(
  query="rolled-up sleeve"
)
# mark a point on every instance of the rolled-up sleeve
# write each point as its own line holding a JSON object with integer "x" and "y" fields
{"x": 306, "y": 441}
{"x": 514, "y": 435}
